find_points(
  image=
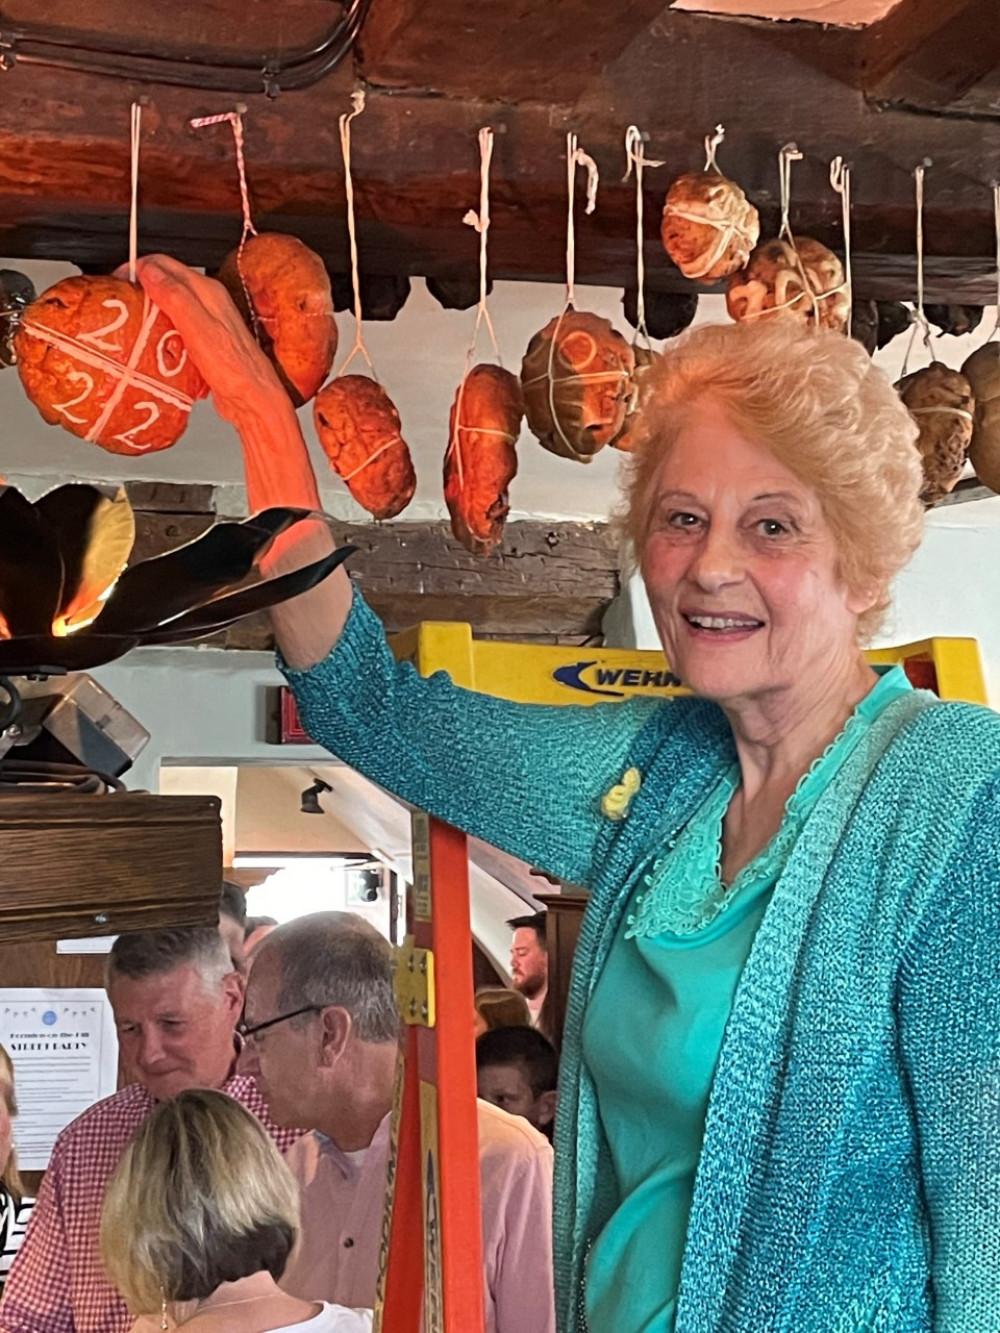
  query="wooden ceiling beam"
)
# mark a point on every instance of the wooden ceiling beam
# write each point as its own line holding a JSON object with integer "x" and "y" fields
{"x": 64, "y": 150}
{"x": 929, "y": 53}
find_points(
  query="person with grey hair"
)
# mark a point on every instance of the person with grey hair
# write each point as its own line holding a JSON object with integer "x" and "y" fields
{"x": 176, "y": 1002}
{"x": 322, "y": 1035}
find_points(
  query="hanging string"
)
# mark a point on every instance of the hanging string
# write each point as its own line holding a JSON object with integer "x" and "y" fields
{"x": 712, "y": 142}
{"x": 996, "y": 233}
{"x": 840, "y": 179}
{"x": 576, "y": 157}
{"x": 481, "y": 222}
{"x": 635, "y": 157}
{"x": 920, "y": 324}
{"x": 234, "y": 119}
{"x": 786, "y": 157}
{"x": 133, "y": 216}
{"x": 357, "y": 106}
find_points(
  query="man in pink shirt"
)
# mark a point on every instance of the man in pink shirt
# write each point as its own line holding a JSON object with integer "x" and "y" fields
{"x": 176, "y": 1001}
{"x": 322, "y": 1032}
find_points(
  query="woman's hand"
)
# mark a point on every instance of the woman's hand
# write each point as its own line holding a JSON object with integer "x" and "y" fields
{"x": 215, "y": 335}
{"x": 246, "y": 391}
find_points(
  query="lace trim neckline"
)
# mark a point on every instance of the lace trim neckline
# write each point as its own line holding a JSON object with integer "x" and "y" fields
{"x": 683, "y": 891}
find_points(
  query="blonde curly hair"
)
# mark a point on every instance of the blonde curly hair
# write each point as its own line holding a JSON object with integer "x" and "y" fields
{"x": 820, "y": 406}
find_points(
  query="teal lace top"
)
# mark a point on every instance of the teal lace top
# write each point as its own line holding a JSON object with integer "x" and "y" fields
{"x": 654, "y": 1028}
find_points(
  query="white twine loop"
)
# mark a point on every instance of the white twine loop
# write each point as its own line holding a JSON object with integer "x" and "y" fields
{"x": 576, "y": 157}
{"x": 920, "y": 325}
{"x": 392, "y": 440}
{"x": 712, "y": 142}
{"x": 357, "y": 106}
{"x": 481, "y": 222}
{"x": 133, "y": 216}
{"x": 234, "y": 119}
{"x": 840, "y": 180}
{"x": 635, "y": 157}
{"x": 786, "y": 157}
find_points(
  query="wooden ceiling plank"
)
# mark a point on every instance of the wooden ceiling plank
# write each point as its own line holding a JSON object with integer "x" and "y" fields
{"x": 929, "y": 53}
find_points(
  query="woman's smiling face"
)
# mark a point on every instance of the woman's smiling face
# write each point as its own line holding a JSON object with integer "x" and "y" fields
{"x": 741, "y": 567}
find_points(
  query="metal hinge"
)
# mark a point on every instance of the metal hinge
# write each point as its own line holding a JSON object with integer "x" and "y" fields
{"x": 415, "y": 984}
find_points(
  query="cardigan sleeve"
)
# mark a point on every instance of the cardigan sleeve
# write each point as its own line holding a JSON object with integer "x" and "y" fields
{"x": 950, "y": 1032}
{"x": 527, "y": 778}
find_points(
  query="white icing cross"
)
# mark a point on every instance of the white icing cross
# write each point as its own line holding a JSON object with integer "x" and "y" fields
{"x": 90, "y": 349}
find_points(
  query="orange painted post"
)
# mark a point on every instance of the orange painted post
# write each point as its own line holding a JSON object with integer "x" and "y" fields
{"x": 399, "y": 1302}
{"x": 434, "y": 1223}
{"x": 450, "y": 1069}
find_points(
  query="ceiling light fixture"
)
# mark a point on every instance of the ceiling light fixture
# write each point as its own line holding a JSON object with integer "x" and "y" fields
{"x": 310, "y": 798}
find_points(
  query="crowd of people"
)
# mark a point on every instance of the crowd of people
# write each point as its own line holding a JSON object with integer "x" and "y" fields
{"x": 237, "y": 1181}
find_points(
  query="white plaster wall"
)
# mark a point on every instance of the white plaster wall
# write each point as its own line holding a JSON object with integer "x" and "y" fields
{"x": 200, "y": 705}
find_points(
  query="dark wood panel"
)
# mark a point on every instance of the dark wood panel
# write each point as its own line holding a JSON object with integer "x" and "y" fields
{"x": 551, "y": 582}
{"x": 78, "y": 865}
{"x": 168, "y": 497}
{"x": 218, "y": 30}
{"x": 930, "y": 52}
{"x": 33, "y": 965}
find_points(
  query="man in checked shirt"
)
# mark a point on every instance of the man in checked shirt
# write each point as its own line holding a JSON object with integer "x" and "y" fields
{"x": 176, "y": 1002}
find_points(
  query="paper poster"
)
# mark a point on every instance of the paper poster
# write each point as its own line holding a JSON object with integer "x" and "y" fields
{"x": 65, "y": 1053}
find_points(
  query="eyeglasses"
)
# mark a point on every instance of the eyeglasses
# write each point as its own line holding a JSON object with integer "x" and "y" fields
{"x": 247, "y": 1032}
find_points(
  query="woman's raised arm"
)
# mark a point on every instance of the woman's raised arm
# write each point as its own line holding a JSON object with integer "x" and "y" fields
{"x": 247, "y": 392}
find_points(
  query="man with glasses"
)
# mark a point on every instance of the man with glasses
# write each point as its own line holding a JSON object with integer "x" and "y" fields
{"x": 322, "y": 1032}
{"x": 176, "y": 1002}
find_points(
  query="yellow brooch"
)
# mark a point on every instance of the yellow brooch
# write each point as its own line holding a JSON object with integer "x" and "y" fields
{"x": 615, "y": 803}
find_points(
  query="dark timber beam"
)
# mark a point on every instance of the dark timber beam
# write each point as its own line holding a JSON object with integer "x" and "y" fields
{"x": 551, "y": 582}
{"x": 434, "y": 75}
{"x": 929, "y": 53}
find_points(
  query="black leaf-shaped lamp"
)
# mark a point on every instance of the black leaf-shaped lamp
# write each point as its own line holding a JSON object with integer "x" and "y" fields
{"x": 70, "y": 601}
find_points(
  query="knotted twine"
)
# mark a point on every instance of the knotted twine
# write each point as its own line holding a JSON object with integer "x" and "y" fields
{"x": 481, "y": 222}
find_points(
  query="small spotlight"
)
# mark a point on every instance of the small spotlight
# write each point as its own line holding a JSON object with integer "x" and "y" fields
{"x": 310, "y": 798}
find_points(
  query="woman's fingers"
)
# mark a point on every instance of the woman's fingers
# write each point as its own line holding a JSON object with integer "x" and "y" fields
{"x": 214, "y": 333}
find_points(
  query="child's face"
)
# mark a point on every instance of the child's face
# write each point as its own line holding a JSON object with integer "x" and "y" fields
{"x": 507, "y": 1086}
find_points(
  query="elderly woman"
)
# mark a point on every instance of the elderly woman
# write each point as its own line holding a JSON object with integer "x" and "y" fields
{"x": 780, "y": 1098}
{"x": 199, "y": 1220}
{"x": 15, "y": 1209}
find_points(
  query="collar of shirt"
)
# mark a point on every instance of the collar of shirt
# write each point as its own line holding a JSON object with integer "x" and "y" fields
{"x": 347, "y": 1168}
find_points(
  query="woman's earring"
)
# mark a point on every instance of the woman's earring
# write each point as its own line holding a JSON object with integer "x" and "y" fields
{"x": 164, "y": 1321}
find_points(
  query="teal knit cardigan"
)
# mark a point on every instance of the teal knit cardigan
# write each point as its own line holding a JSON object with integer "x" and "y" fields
{"x": 850, "y": 1174}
